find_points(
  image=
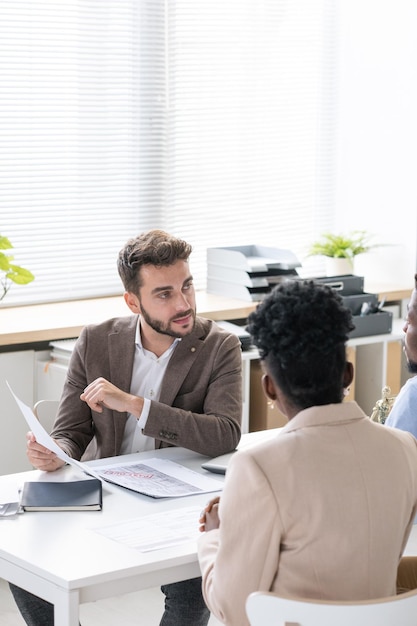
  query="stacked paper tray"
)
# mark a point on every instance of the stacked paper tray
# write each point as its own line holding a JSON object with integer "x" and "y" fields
{"x": 248, "y": 272}
{"x": 350, "y": 288}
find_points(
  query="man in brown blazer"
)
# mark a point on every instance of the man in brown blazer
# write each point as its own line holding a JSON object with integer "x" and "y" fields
{"x": 160, "y": 377}
{"x": 324, "y": 509}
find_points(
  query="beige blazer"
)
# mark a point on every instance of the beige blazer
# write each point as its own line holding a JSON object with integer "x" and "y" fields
{"x": 200, "y": 405}
{"x": 323, "y": 510}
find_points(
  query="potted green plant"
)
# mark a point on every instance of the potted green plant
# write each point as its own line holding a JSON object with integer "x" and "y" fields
{"x": 340, "y": 250}
{"x": 9, "y": 272}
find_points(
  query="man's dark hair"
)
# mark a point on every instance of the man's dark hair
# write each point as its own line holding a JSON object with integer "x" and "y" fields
{"x": 155, "y": 247}
{"x": 300, "y": 330}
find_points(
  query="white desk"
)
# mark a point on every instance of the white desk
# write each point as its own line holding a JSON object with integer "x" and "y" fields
{"x": 58, "y": 556}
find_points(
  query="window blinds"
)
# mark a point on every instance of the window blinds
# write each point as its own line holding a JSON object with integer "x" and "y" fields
{"x": 69, "y": 149}
{"x": 251, "y": 123}
{"x": 213, "y": 119}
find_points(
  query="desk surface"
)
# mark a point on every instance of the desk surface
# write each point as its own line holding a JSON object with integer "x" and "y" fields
{"x": 64, "y": 320}
{"x": 59, "y": 556}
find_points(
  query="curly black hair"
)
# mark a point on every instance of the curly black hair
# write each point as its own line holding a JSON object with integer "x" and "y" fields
{"x": 300, "y": 330}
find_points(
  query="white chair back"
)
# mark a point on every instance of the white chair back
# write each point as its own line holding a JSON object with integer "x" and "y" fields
{"x": 268, "y": 609}
{"x": 45, "y": 411}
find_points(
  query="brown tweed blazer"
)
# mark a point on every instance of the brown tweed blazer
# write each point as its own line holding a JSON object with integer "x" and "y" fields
{"x": 200, "y": 405}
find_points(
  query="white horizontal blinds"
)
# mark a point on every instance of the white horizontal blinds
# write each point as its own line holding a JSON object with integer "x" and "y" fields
{"x": 151, "y": 113}
{"x": 250, "y": 123}
{"x": 212, "y": 119}
{"x": 69, "y": 127}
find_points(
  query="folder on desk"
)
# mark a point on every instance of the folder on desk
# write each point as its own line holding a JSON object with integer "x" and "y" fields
{"x": 75, "y": 495}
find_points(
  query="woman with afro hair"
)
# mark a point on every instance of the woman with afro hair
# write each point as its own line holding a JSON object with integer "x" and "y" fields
{"x": 324, "y": 508}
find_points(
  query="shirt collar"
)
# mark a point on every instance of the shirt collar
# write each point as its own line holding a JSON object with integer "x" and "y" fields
{"x": 138, "y": 341}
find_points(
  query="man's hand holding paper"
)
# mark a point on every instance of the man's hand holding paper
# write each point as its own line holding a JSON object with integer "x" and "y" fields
{"x": 43, "y": 452}
{"x": 42, "y": 457}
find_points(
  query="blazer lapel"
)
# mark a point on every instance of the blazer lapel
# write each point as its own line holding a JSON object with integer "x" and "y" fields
{"x": 121, "y": 344}
{"x": 180, "y": 364}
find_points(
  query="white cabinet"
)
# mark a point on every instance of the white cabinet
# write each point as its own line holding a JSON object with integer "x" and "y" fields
{"x": 17, "y": 368}
{"x": 50, "y": 378}
{"x": 31, "y": 378}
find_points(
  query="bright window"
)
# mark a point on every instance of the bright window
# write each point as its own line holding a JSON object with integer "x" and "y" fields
{"x": 213, "y": 119}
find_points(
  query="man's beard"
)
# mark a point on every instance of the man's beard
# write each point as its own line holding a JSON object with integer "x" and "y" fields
{"x": 412, "y": 366}
{"x": 165, "y": 329}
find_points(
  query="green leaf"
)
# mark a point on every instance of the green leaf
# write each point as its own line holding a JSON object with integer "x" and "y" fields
{"x": 19, "y": 275}
{"x": 5, "y": 243}
{"x": 4, "y": 262}
{"x": 9, "y": 272}
{"x": 342, "y": 246}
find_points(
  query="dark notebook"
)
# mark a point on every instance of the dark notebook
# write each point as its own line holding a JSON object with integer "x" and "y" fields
{"x": 79, "y": 495}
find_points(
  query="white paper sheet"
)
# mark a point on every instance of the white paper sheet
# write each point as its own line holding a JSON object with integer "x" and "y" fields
{"x": 159, "y": 478}
{"x": 46, "y": 440}
{"x": 156, "y": 531}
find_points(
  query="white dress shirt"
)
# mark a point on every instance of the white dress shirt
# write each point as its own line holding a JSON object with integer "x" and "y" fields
{"x": 147, "y": 376}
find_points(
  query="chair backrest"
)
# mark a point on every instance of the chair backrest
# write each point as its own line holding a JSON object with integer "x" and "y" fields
{"x": 45, "y": 411}
{"x": 268, "y": 609}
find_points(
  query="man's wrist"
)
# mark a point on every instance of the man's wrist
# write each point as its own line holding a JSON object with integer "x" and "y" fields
{"x": 136, "y": 406}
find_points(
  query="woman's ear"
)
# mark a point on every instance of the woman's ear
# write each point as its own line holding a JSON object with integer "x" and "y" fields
{"x": 275, "y": 394}
{"x": 348, "y": 374}
{"x": 269, "y": 387}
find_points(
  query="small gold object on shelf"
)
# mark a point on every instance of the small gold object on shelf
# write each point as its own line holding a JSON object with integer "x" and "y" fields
{"x": 383, "y": 406}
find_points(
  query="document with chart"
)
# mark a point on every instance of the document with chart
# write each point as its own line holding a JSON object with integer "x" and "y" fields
{"x": 158, "y": 478}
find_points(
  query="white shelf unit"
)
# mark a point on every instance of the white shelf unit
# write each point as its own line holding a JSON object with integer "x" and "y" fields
{"x": 371, "y": 367}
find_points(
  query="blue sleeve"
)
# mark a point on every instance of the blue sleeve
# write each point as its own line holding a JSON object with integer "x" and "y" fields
{"x": 403, "y": 414}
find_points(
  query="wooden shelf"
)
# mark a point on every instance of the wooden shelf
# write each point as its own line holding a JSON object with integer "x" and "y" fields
{"x": 63, "y": 320}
